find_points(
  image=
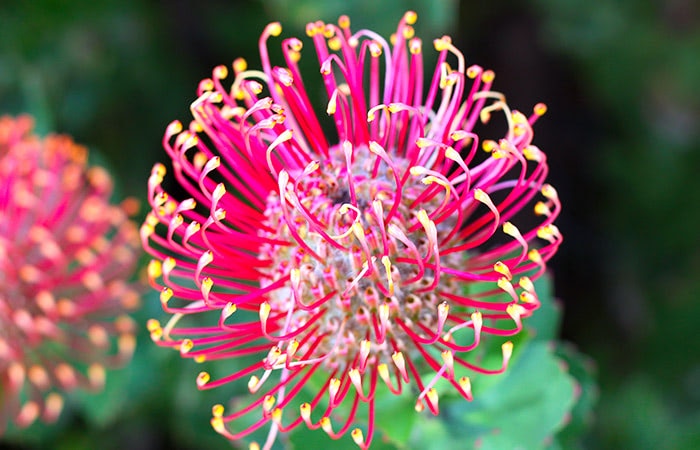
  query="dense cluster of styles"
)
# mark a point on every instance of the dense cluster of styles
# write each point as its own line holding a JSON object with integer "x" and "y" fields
{"x": 357, "y": 254}
{"x": 329, "y": 257}
{"x": 66, "y": 254}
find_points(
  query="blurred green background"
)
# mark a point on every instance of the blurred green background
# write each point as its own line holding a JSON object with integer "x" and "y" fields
{"x": 622, "y": 82}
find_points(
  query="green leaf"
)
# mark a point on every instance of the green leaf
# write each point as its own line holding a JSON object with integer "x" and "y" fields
{"x": 582, "y": 368}
{"x": 522, "y": 409}
{"x": 396, "y": 416}
{"x": 544, "y": 324}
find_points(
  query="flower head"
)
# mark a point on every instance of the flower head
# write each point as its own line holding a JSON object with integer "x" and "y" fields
{"x": 365, "y": 257}
{"x": 65, "y": 253}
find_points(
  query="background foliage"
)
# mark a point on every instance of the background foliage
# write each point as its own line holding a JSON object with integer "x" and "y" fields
{"x": 620, "y": 78}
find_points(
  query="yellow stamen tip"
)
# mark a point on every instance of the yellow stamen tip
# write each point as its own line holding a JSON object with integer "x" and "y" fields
{"x": 277, "y": 415}
{"x": 217, "y": 423}
{"x": 419, "y": 406}
{"x": 155, "y": 269}
{"x": 534, "y": 256}
{"x": 488, "y": 76}
{"x": 410, "y": 17}
{"x": 481, "y": 196}
{"x": 217, "y": 410}
{"x": 305, "y": 411}
{"x": 540, "y": 109}
{"x": 239, "y": 65}
{"x": 326, "y": 424}
{"x": 441, "y": 44}
{"x": 541, "y": 209}
{"x": 549, "y": 192}
{"x": 489, "y": 145}
{"x": 358, "y": 437}
{"x": 274, "y": 29}
{"x": 186, "y": 346}
{"x": 501, "y": 268}
{"x": 465, "y": 384}
{"x": 253, "y": 383}
{"x": 220, "y": 72}
{"x": 526, "y": 283}
{"x": 202, "y": 379}
{"x": 165, "y": 295}
{"x": 334, "y": 43}
{"x": 507, "y": 349}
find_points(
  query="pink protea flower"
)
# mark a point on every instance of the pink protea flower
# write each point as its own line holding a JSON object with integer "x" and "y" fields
{"x": 64, "y": 255}
{"x": 367, "y": 257}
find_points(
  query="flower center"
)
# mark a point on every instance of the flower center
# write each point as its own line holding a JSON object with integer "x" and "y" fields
{"x": 361, "y": 259}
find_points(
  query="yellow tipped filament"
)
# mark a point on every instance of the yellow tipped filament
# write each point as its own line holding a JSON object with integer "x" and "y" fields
{"x": 503, "y": 270}
{"x": 217, "y": 423}
{"x": 305, "y": 411}
{"x": 274, "y": 29}
{"x": 526, "y": 284}
{"x": 239, "y": 65}
{"x": 97, "y": 375}
{"x": 155, "y": 269}
{"x": 358, "y": 437}
{"x": 334, "y": 43}
{"x": 217, "y": 410}
{"x": 365, "y": 347}
{"x": 415, "y": 46}
{"x": 433, "y": 397}
{"x": 534, "y": 256}
{"x": 154, "y": 329}
{"x": 332, "y": 103}
{"x": 220, "y": 72}
{"x": 253, "y": 383}
{"x": 532, "y": 153}
{"x": 441, "y": 44}
{"x": 168, "y": 265}
{"x": 38, "y": 376}
{"x": 268, "y": 403}
{"x": 202, "y": 379}
{"x": 489, "y": 145}
{"x": 264, "y": 312}
{"x": 473, "y": 71}
{"x": 540, "y": 109}
{"x": 541, "y": 209}
{"x": 387, "y": 267}
{"x": 488, "y": 76}
{"x": 175, "y": 127}
{"x": 52, "y": 407}
{"x": 466, "y": 385}
{"x": 326, "y": 425}
{"x": 333, "y": 388}
{"x": 515, "y": 311}
{"x": 419, "y": 406}
{"x": 228, "y": 310}
{"x": 511, "y": 230}
{"x": 410, "y": 17}
{"x": 507, "y": 349}
{"x": 186, "y": 346}
{"x": 477, "y": 320}
{"x": 549, "y": 192}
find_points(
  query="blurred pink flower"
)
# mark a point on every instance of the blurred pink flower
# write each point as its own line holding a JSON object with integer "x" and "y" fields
{"x": 64, "y": 255}
{"x": 364, "y": 257}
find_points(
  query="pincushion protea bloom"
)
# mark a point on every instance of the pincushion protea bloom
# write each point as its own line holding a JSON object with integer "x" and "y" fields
{"x": 64, "y": 255}
{"x": 362, "y": 259}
